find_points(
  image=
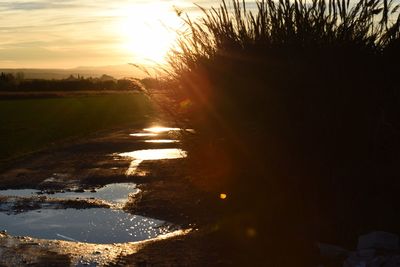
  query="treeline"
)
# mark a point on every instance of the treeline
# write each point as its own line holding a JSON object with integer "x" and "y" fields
{"x": 16, "y": 82}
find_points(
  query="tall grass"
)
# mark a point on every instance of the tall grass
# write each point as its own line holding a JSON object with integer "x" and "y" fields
{"x": 368, "y": 24}
{"x": 319, "y": 70}
{"x": 299, "y": 99}
{"x": 279, "y": 39}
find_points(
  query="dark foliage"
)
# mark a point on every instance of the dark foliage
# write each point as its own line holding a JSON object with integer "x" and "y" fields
{"x": 297, "y": 110}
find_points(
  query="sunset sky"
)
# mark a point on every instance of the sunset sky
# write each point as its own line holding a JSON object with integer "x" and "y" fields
{"x": 71, "y": 33}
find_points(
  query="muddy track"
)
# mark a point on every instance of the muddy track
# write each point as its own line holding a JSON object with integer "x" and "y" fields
{"x": 166, "y": 193}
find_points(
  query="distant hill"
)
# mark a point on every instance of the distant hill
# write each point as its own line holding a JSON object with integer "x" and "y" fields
{"x": 116, "y": 71}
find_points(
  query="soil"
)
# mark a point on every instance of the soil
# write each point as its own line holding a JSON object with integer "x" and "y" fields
{"x": 167, "y": 193}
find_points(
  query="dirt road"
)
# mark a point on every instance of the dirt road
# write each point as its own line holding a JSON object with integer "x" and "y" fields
{"x": 166, "y": 193}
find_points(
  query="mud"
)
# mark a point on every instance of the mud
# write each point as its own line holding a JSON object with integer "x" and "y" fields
{"x": 166, "y": 193}
{"x": 27, "y": 251}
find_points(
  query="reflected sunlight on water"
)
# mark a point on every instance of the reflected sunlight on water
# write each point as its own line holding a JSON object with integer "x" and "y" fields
{"x": 116, "y": 193}
{"x": 160, "y": 129}
{"x": 155, "y": 154}
{"x": 143, "y": 134}
{"x": 95, "y": 225}
{"x": 162, "y": 141}
{"x": 151, "y": 154}
{"x": 156, "y": 130}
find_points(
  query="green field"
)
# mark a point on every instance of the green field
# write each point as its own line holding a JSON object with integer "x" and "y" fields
{"x": 28, "y": 125}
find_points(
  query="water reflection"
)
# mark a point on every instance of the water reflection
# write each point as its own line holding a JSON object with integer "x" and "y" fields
{"x": 160, "y": 129}
{"x": 19, "y": 192}
{"x": 117, "y": 193}
{"x": 143, "y": 134}
{"x": 156, "y": 130}
{"x": 162, "y": 141}
{"x": 96, "y": 225}
{"x": 151, "y": 154}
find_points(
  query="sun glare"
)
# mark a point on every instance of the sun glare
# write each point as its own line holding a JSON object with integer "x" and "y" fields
{"x": 160, "y": 129}
{"x": 147, "y": 31}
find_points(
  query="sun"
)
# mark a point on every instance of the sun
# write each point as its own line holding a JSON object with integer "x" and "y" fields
{"x": 148, "y": 31}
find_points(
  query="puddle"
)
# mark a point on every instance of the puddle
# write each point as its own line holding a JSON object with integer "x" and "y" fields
{"x": 95, "y": 225}
{"x": 162, "y": 141}
{"x": 139, "y": 156}
{"x": 155, "y": 154}
{"x": 19, "y": 192}
{"x": 90, "y": 225}
{"x": 143, "y": 134}
{"x": 160, "y": 129}
{"x": 154, "y": 131}
{"x": 151, "y": 154}
{"x": 117, "y": 193}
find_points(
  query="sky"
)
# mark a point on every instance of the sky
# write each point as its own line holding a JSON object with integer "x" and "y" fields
{"x": 72, "y": 33}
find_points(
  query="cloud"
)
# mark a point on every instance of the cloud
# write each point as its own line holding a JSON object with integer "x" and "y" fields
{"x": 38, "y": 5}
{"x": 47, "y": 32}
